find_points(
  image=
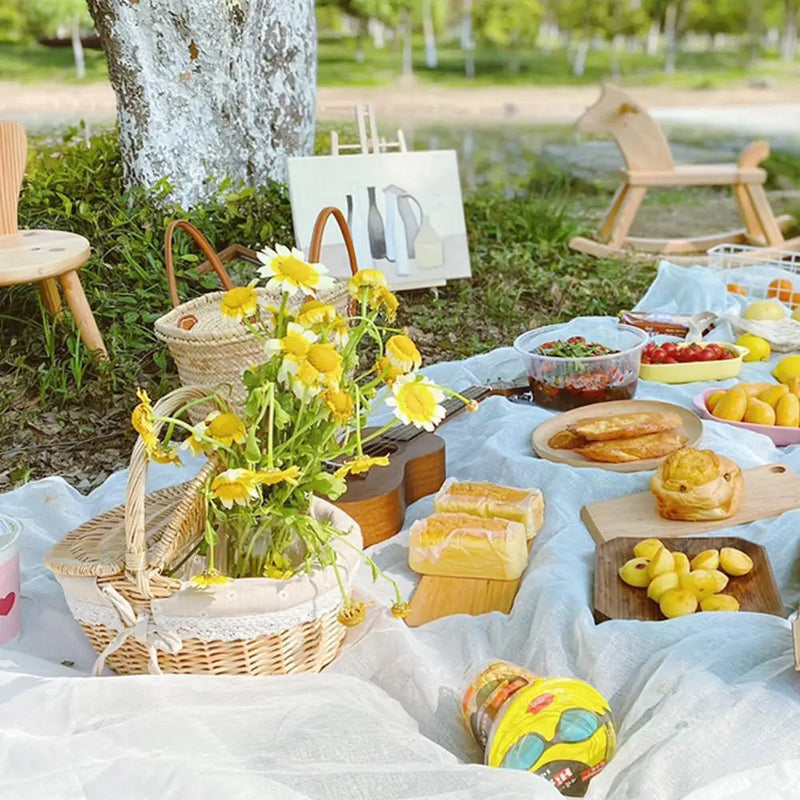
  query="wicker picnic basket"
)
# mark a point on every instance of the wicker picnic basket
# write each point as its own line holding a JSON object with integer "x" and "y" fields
{"x": 125, "y": 578}
{"x": 212, "y": 350}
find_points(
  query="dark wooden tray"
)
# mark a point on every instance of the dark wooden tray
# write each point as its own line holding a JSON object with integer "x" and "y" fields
{"x": 614, "y": 599}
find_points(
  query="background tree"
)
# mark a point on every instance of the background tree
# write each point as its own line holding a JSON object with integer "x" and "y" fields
{"x": 47, "y": 17}
{"x": 507, "y": 23}
{"x": 12, "y": 21}
{"x": 209, "y": 89}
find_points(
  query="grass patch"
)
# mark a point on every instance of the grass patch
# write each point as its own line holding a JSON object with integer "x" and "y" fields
{"x": 32, "y": 63}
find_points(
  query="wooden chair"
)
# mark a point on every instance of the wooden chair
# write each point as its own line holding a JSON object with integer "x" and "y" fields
{"x": 649, "y": 163}
{"x": 40, "y": 256}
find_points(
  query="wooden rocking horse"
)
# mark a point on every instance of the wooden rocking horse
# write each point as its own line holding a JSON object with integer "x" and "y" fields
{"x": 649, "y": 162}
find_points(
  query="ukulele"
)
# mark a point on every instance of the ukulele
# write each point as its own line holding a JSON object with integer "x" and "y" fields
{"x": 377, "y": 500}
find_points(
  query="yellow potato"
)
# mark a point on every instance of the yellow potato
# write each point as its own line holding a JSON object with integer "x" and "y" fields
{"x": 714, "y": 398}
{"x": 754, "y": 389}
{"x": 677, "y": 603}
{"x": 662, "y": 561}
{"x": 734, "y": 561}
{"x": 732, "y": 405}
{"x": 662, "y": 583}
{"x": 682, "y": 566}
{"x": 708, "y": 559}
{"x": 700, "y": 582}
{"x": 634, "y": 572}
{"x": 759, "y": 413}
{"x": 787, "y": 411}
{"x": 721, "y": 578}
{"x": 719, "y": 602}
{"x": 773, "y": 394}
{"x": 646, "y": 548}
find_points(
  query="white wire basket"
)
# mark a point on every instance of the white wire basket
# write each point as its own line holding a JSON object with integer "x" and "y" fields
{"x": 759, "y": 273}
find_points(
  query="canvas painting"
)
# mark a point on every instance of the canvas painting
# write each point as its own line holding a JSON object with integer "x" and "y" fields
{"x": 404, "y": 211}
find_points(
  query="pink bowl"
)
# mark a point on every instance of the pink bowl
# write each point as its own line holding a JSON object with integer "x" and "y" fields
{"x": 781, "y": 436}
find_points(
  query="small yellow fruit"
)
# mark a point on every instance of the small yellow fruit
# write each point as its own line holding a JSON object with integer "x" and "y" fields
{"x": 734, "y": 561}
{"x": 794, "y": 385}
{"x": 796, "y": 314}
{"x": 732, "y": 406}
{"x": 646, "y": 548}
{"x": 754, "y": 389}
{"x": 662, "y": 583}
{"x": 700, "y": 582}
{"x": 714, "y": 398}
{"x": 681, "y": 563}
{"x": 759, "y": 348}
{"x": 721, "y": 578}
{"x": 773, "y": 394}
{"x": 764, "y": 310}
{"x": 788, "y": 367}
{"x": 708, "y": 559}
{"x": 662, "y": 561}
{"x": 719, "y": 602}
{"x": 677, "y": 603}
{"x": 759, "y": 413}
{"x": 787, "y": 412}
{"x": 634, "y": 572}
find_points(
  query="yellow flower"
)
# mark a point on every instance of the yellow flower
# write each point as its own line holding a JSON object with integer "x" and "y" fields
{"x": 416, "y": 401}
{"x": 401, "y": 610}
{"x": 143, "y": 422}
{"x": 365, "y": 278}
{"x": 315, "y": 312}
{"x": 361, "y": 464}
{"x": 239, "y": 302}
{"x": 383, "y": 300}
{"x": 321, "y": 367}
{"x": 289, "y": 272}
{"x": 225, "y": 428}
{"x": 403, "y": 353}
{"x": 269, "y": 477}
{"x": 235, "y": 486}
{"x": 340, "y": 332}
{"x": 211, "y": 577}
{"x": 472, "y": 406}
{"x": 340, "y": 404}
{"x": 295, "y": 344}
{"x": 195, "y": 443}
{"x": 352, "y": 615}
{"x": 164, "y": 455}
{"x": 388, "y": 371}
{"x": 279, "y": 568}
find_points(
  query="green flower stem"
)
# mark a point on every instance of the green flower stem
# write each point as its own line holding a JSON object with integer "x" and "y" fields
{"x": 270, "y": 425}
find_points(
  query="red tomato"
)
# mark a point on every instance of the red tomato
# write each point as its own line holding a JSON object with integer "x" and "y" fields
{"x": 658, "y": 355}
{"x": 707, "y": 354}
{"x": 669, "y": 348}
{"x": 670, "y": 360}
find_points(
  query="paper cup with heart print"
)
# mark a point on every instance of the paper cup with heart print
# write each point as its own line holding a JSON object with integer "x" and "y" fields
{"x": 10, "y": 618}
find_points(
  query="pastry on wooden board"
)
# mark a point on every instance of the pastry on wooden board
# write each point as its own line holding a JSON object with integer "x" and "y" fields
{"x": 566, "y": 440}
{"x": 625, "y": 426}
{"x": 697, "y": 485}
{"x": 618, "y": 451}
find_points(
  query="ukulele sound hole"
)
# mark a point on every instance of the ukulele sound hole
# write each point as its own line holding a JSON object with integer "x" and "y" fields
{"x": 376, "y": 449}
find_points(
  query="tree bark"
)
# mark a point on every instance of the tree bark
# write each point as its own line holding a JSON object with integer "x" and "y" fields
{"x": 467, "y": 42}
{"x": 429, "y": 34}
{"x": 77, "y": 49}
{"x": 671, "y": 38}
{"x": 789, "y": 37}
{"x": 208, "y": 90}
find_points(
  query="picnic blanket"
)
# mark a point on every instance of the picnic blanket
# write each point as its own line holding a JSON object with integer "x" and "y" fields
{"x": 706, "y": 706}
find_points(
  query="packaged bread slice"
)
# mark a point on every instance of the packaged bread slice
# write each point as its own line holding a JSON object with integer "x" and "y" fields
{"x": 467, "y": 546}
{"x": 491, "y": 500}
{"x": 625, "y": 426}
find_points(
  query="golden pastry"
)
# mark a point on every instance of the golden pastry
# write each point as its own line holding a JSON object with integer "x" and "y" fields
{"x": 566, "y": 440}
{"x": 697, "y": 484}
{"x": 617, "y": 451}
{"x": 625, "y": 426}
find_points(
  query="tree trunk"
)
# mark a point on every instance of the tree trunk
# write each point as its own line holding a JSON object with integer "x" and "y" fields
{"x": 467, "y": 42}
{"x": 408, "y": 51}
{"x": 208, "y": 90}
{"x": 77, "y": 49}
{"x": 579, "y": 65}
{"x": 670, "y": 36}
{"x": 653, "y": 36}
{"x": 429, "y": 34}
{"x": 789, "y": 38}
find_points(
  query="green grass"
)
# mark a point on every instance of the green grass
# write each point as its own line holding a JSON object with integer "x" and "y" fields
{"x": 32, "y": 63}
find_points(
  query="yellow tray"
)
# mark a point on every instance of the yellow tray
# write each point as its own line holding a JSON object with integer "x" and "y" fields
{"x": 695, "y": 371}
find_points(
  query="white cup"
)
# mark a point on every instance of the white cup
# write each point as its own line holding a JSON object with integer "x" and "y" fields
{"x": 10, "y": 600}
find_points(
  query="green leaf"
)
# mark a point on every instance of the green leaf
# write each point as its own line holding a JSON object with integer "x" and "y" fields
{"x": 328, "y": 484}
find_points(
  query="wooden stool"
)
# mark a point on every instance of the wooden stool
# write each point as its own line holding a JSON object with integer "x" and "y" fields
{"x": 40, "y": 256}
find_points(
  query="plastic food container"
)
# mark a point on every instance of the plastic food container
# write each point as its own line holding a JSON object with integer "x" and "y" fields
{"x": 10, "y": 620}
{"x": 695, "y": 371}
{"x": 565, "y": 383}
{"x": 780, "y": 435}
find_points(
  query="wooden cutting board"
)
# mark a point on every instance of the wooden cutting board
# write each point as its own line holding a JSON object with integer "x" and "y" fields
{"x": 437, "y": 596}
{"x": 769, "y": 491}
{"x": 614, "y": 599}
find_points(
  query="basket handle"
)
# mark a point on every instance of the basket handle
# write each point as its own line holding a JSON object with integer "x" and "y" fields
{"x": 135, "y": 534}
{"x": 208, "y": 252}
{"x": 315, "y": 249}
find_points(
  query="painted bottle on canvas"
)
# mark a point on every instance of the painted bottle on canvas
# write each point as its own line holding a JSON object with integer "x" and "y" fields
{"x": 377, "y": 237}
{"x": 428, "y": 246}
{"x": 357, "y": 222}
{"x": 401, "y": 227}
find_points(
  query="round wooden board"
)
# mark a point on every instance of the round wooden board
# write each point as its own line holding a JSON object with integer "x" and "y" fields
{"x": 691, "y": 427}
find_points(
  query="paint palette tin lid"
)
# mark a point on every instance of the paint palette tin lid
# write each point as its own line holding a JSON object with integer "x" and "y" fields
{"x": 9, "y": 533}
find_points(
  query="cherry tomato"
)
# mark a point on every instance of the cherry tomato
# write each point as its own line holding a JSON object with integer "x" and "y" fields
{"x": 669, "y": 348}
{"x": 670, "y": 360}
{"x": 707, "y": 354}
{"x": 658, "y": 355}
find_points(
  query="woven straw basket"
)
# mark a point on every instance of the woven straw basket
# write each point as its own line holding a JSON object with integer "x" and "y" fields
{"x": 212, "y": 350}
{"x": 125, "y": 578}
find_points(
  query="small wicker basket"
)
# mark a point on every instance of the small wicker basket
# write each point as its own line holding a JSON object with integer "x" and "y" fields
{"x": 212, "y": 350}
{"x": 124, "y": 576}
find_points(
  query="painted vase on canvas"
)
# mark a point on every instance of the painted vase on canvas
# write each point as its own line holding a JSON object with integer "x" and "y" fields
{"x": 377, "y": 238}
{"x": 428, "y": 246}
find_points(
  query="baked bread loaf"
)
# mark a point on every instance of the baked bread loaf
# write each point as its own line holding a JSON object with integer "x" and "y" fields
{"x": 697, "y": 485}
{"x": 618, "y": 451}
{"x": 484, "y": 499}
{"x": 467, "y": 546}
{"x": 625, "y": 426}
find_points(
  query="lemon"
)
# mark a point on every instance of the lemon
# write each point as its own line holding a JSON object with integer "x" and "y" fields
{"x": 787, "y": 368}
{"x": 796, "y": 314}
{"x": 759, "y": 348}
{"x": 765, "y": 309}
